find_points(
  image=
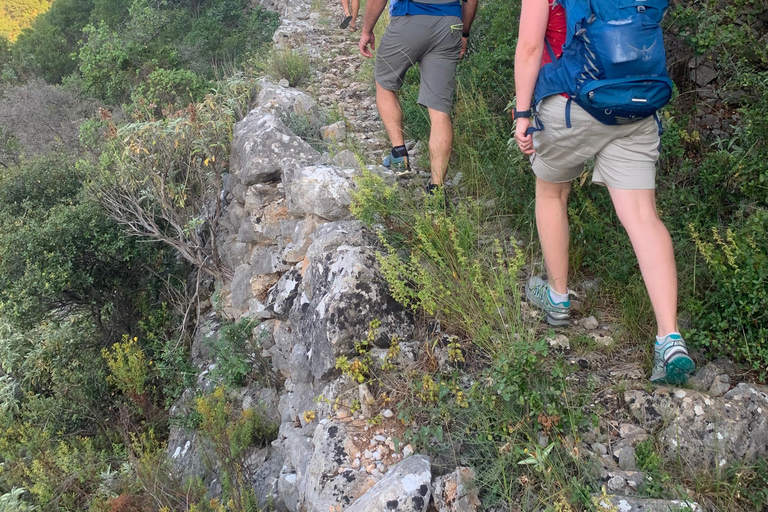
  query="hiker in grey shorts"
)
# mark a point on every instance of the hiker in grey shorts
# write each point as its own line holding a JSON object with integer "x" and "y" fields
{"x": 432, "y": 33}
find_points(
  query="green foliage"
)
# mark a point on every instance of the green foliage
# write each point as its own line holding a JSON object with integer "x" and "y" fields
{"x": 59, "y": 473}
{"x": 288, "y": 64}
{"x": 308, "y": 127}
{"x": 359, "y": 368}
{"x": 128, "y": 367}
{"x": 104, "y": 63}
{"x": 160, "y": 178}
{"x": 47, "y": 48}
{"x": 169, "y": 88}
{"x": 12, "y": 501}
{"x": 733, "y": 314}
{"x": 451, "y": 270}
{"x": 522, "y": 448}
{"x": 233, "y": 435}
{"x": 237, "y": 354}
{"x": 16, "y": 15}
{"x": 115, "y": 45}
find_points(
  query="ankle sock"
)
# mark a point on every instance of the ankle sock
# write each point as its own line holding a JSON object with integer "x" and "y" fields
{"x": 557, "y": 298}
{"x": 399, "y": 151}
{"x": 660, "y": 339}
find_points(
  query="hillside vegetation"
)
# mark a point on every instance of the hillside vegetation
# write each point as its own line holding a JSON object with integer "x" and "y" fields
{"x": 115, "y": 123}
{"x": 16, "y": 15}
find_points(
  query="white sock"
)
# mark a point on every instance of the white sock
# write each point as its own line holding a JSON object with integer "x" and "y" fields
{"x": 660, "y": 339}
{"x": 557, "y": 298}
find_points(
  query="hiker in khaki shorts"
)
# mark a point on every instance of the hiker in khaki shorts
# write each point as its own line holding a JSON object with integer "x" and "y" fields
{"x": 432, "y": 33}
{"x": 561, "y": 136}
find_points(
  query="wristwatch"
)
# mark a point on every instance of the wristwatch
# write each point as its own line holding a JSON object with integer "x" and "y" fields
{"x": 516, "y": 114}
{"x": 465, "y": 34}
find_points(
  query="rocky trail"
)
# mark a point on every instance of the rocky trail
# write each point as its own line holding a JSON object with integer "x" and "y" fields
{"x": 308, "y": 272}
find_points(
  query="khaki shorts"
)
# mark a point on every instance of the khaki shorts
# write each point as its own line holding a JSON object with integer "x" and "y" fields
{"x": 625, "y": 155}
{"x": 434, "y": 43}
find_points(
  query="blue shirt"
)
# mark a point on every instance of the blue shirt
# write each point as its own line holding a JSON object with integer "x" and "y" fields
{"x": 409, "y": 8}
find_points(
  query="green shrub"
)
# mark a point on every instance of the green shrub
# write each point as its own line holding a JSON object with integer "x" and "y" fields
{"x": 161, "y": 179}
{"x": 233, "y": 435}
{"x": 453, "y": 269}
{"x": 288, "y": 64}
{"x": 308, "y": 127}
{"x": 12, "y": 501}
{"x": 237, "y": 354}
{"x": 732, "y": 314}
{"x": 129, "y": 368}
{"x": 59, "y": 473}
{"x": 105, "y": 63}
{"x": 168, "y": 89}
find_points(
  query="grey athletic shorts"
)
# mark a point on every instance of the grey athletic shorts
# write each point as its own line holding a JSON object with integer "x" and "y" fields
{"x": 433, "y": 44}
{"x": 625, "y": 155}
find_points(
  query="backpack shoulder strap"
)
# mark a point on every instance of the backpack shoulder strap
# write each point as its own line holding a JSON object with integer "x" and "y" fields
{"x": 576, "y": 11}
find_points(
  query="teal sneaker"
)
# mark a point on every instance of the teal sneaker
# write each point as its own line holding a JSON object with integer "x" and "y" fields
{"x": 537, "y": 292}
{"x": 671, "y": 362}
{"x": 401, "y": 163}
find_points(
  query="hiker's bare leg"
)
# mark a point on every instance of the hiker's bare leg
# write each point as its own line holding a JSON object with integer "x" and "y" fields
{"x": 345, "y": 6}
{"x": 391, "y": 114}
{"x": 650, "y": 239}
{"x": 440, "y": 143}
{"x": 552, "y": 224}
{"x": 353, "y": 13}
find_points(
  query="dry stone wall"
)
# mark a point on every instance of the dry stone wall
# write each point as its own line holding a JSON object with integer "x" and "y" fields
{"x": 308, "y": 272}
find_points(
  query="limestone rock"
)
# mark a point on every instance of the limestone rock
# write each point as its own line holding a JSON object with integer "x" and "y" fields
{"x": 280, "y": 352}
{"x": 590, "y": 323}
{"x": 457, "y": 492}
{"x": 405, "y": 487}
{"x": 241, "y": 286}
{"x": 281, "y": 296}
{"x": 559, "y": 341}
{"x": 325, "y": 486}
{"x": 707, "y": 432}
{"x": 264, "y": 480}
{"x": 632, "y": 504}
{"x": 301, "y": 238}
{"x": 320, "y": 190}
{"x": 340, "y": 294}
{"x": 286, "y": 100}
{"x": 346, "y": 159}
{"x": 263, "y": 147}
{"x": 331, "y": 236}
{"x": 334, "y": 132}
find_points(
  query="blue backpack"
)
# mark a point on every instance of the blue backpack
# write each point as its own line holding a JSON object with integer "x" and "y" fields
{"x": 613, "y": 63}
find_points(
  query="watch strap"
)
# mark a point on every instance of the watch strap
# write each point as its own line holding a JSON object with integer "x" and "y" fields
{"x": 516, "y": 114}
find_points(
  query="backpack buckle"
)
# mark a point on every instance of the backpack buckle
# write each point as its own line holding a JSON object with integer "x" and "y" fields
{"x": 641, "y": 8}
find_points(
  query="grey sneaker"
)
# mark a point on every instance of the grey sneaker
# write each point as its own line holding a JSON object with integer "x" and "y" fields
{"x": 537, "y": 292}
{"x": 671, "y": 362}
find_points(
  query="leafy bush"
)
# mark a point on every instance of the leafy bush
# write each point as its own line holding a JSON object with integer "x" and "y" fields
{"x": 168, "y": 89}
{"x": 12, "y": 501}
{"x": 732, "y": 316}
{"x": 128, "y": 367}
{"x": 238, "y": 355}
{"x": 162, "y": 179}
{"x": 60, "y": 473}
{"x": 288, "y": 64}
{"x": 233, "y": 435}
{"x": 454, "y": 269}
{"x": 59, "y": 250}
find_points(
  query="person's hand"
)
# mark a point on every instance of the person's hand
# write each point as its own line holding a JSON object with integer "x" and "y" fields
{"x": 524, "y": 142}
{"x": 463, "y": 52}
{"x": 367, "y": 44}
